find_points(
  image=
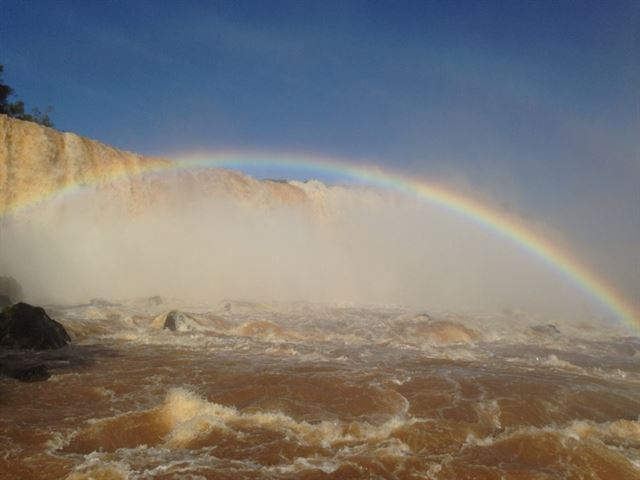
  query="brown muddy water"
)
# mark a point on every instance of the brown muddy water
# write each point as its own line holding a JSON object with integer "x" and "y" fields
{"x": 244, "y": 390}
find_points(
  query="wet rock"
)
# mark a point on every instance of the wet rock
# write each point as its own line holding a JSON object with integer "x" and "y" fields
{"x": 5, "y": 301}
{"x": 155, "y": 300}
{"x": 548, "y": 329}
{"x": 37, "y": 373}
{"x": 10, "y": 288}
{"x": 176, "y": 321}
{"x": 23, "y": 326}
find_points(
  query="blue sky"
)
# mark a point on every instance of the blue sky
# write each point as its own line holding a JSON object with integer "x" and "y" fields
{"x": 535, "y": 104}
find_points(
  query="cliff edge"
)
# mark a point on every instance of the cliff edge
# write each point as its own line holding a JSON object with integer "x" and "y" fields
{"x": 38, "y": 163}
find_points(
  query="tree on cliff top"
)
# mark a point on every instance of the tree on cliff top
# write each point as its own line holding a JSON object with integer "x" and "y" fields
{"x": 16, "y": 109}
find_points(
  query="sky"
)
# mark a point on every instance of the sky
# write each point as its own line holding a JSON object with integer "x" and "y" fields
{"x": 533, "y": 105}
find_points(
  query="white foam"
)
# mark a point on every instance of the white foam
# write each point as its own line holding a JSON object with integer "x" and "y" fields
{"x": 552, "y": 360}
{"x": 618, "y": 430}
{"x": 191, "y": 417}
{"x": 489, "y": 413}
{"x": 96, "y": 466}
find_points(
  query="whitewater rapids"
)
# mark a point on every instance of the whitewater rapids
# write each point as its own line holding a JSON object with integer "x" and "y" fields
{"x": 250, "y": 390}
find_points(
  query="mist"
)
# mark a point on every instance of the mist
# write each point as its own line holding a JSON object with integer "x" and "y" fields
{"x": 350, "y": 245}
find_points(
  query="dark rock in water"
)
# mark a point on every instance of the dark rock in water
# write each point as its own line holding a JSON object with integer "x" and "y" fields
{"x": 549, "y": 329}
{"x": 5, "y": 301}
{"x": 37, "y": 373}
{"x": 23, "y": 326}
{"x": 174, "y": 320}
{"x": 155, "y": 300}
{"x": 9, "y": 287}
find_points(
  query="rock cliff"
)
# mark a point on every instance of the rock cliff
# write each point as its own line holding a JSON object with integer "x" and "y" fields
{"x": 37, "y": 163}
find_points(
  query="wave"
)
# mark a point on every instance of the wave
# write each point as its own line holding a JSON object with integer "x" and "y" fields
{"x": 95, "y": 467}
{"x": 186, "y": 420}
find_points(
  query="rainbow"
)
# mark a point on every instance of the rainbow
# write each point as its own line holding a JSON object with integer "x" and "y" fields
{"x": 470, "y": 209}
{"x": 465, "y": 207}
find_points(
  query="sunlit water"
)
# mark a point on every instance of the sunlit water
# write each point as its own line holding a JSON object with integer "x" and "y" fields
{"x": 246, "y": 390}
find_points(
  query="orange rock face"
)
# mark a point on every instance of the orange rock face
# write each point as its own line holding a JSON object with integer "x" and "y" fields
{"x": 38, "y": 163}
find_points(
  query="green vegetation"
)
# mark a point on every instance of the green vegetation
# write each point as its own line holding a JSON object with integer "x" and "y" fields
{"x": 16, "y": 109}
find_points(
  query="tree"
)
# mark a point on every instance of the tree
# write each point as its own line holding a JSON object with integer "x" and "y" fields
{"x": 17, "y": 109}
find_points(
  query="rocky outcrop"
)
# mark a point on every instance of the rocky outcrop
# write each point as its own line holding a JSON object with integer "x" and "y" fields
{"x": 23, "y": 326}
{"x": 36, "y": 162}
{"x": 176, "y": 321}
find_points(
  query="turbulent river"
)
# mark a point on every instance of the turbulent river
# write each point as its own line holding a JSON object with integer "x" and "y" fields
{"x": 246, "y": 390}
